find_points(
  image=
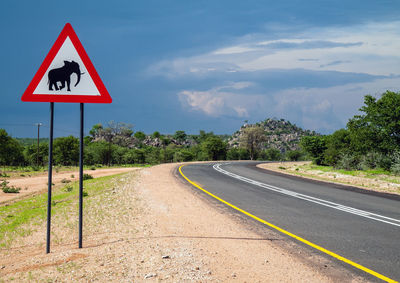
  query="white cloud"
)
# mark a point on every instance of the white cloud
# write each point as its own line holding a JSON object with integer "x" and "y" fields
{"x": 219, "y": 101}
{"x": 371, "y": 48}
{"x": 321, "y": 109}
{"x": 233, "y": 50}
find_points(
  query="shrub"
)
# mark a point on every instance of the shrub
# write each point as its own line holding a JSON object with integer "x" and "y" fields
{"x": 371, "y": 160}
{"x": 9, "y": 189}
{"x": 87, "y": 177}
{"x": 65, "y": 181}
{"x": 395, "y": 168}
{"x": 348, "y": 162}
{"x": 68, "y": 188}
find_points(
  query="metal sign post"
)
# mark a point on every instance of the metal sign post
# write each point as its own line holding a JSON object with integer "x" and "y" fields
{"x": 50, "y": 177}
{"x": 81, "y": 179}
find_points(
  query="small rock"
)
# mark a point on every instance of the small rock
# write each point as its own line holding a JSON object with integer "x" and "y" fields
{"x": 233, "y": 275}
{"x": 165, "y": 256}
{"x": 197, "y": 268}
{"x": 150, "y": 275}
{"x": 3, "y": 266}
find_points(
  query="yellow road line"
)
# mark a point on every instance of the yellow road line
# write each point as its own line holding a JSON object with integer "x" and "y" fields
{"x": 321, "y": 249}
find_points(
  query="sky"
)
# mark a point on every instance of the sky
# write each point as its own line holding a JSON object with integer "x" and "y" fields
{"x": 205, "y": 65}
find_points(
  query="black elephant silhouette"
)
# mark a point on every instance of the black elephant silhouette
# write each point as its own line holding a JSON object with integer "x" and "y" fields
{"x": 63, "y": 75}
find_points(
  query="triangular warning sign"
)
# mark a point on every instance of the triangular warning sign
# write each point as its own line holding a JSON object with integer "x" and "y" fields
{"x": 67, "y": 74}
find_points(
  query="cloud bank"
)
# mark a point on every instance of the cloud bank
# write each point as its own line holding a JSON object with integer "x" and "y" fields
{"x": 316, "y": 78}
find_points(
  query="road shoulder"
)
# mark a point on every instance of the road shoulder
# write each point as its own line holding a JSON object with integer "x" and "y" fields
{"x": 368, "y": 185}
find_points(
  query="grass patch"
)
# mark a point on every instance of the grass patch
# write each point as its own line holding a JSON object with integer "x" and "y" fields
{"x": 15, "y": 171}
{"x": 33, "y": 210}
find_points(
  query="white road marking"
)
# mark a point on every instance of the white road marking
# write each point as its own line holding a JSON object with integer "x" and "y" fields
{"x": 337, "y": 206}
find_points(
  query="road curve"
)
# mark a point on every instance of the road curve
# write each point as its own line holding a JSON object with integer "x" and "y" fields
{"x": 362, "y": 228}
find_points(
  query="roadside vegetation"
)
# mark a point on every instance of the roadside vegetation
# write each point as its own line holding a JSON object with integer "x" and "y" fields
{"x": 118, "y": 145}
{"x": 25, "y": 216}
{"x": 370, "y": 142}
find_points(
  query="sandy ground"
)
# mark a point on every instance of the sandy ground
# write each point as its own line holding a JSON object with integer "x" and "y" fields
{"x": 38, "y": 184}
{"x": 378, "y": 183}
{"x": 150, "y": 226}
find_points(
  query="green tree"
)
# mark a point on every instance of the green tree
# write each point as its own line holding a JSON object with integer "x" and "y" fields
{"x": 96, "y": 130}
{"x": 180, "y": 136}
{"x": 156, "y": 135}
{"x": 271, "y": 154}
{"x": 31, "y": 154}
{"x": 183, "y": 155}
{"x": 140, "y": 136}
{"x": 98, "y": 153}
{"x": 11, "y": 151}
{"x": 379, "y": 127}
{"x": 66, "y": 151}
{"x": 293, "y": 155}
{"x": 215, "y": 148}
{"x": 337, "y": 144}
{"x": 315, "y": 146}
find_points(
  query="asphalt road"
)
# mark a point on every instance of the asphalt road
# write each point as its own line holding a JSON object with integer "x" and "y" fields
{"x": 361, "y": 227}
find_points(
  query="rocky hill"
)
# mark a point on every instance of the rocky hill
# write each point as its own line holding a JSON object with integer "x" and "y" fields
{"x": 279, "y": 134}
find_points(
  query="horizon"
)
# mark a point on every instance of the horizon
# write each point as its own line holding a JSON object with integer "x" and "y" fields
{"x": 195, "y": 66}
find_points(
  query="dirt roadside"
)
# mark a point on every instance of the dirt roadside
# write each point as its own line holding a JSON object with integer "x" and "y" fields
{"x": 150, "y": 226}
{"x": 37, "y": 184}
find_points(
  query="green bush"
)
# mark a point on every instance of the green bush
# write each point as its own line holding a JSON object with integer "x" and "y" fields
{"x": 87, "y": 177}
{"x": 348, "y": 162}
{"x": 68, "y": 188}
{"x": 8, "y": 189}
{"x": 395, "y": 168}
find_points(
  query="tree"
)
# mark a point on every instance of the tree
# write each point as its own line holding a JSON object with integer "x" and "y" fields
{"x": 215, "y": 148}
{"x": 271, "y": 154}
{"x": 180, "y": 136}
{"x": 96, "y": 130}
{"x": 31, "y": 154}
{"x": 251, "y": 139}
{"x": 11, "y": 151}
{"x": 66, "y": 151}
{"x": 337, "y": 144}
{"x": 140, "y": 136}
{"x": 183, "y": 155}
{"x": 315, "y": 146}
{"x": 156, "y": 135}
{"x": 203, "y": 136}
{"x": 293, "y": 155}
{"x": 379, "y": 127}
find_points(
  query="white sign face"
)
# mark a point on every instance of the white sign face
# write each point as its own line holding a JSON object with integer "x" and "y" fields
{"x": 62, "y": 75}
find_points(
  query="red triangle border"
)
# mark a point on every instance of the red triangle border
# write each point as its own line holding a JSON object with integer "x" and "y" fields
{"x": 104, "y": 96}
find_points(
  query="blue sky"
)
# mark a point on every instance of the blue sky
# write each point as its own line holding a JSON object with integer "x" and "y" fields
{"x": 205, "y": 65}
